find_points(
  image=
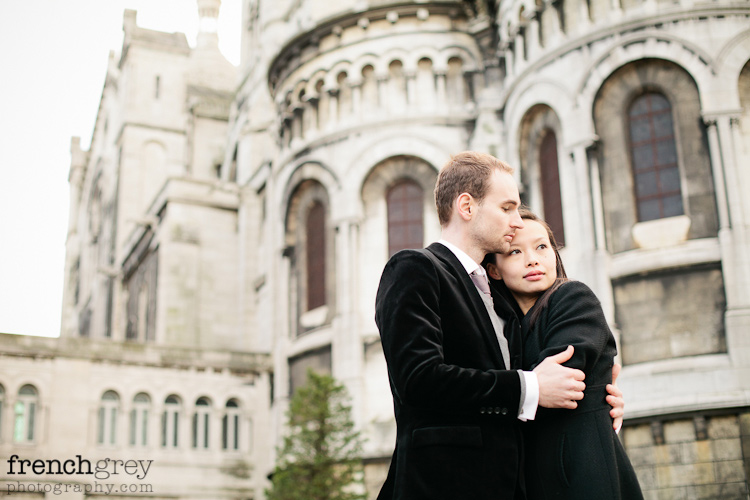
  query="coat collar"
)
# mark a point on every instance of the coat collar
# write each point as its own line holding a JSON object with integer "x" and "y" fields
{"x": 470, "y": 293}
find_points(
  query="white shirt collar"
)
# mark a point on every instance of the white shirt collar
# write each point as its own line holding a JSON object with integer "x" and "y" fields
{"x": 463, "y": 258}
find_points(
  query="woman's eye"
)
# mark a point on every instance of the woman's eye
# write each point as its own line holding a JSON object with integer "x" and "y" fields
{"x": 514, "y": 252}
{"x": 542, "y": 246}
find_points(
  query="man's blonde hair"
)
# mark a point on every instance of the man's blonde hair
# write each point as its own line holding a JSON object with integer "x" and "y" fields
{"x": 467, "y": 172}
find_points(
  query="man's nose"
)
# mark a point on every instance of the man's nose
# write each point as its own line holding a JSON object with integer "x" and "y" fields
{"x": 516, "y": 221}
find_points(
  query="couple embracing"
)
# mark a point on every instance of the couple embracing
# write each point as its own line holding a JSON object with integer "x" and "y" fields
{"x": 500, "y": 367}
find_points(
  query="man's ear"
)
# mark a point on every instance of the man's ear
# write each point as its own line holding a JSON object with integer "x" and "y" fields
{"x": 465, "y": 205}
{"x": 494, "y": 272}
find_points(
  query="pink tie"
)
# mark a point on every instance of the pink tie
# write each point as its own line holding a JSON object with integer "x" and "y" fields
{"x": 481, "y": 282}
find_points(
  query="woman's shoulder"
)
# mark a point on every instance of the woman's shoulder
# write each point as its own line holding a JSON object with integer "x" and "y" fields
{"x": 576, "y": 292}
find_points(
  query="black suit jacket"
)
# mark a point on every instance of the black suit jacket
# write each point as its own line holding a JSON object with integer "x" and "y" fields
{"x": 458, "y": 435}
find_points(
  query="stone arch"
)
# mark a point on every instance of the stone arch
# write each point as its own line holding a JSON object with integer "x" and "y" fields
{"x": 365, "y": 60}
{"x": 471, "y": 60}
{"x": 334, "y": 72}
{"x": 312, "y": 83}
{"x": 381, "y": 148}
{"x": 732, "y": 62}
{"x": 430, "y": 53}
{"x": 645, "y": 45}
{"x": 295, "y": 173}
{"x": 548, "y": 93}
{"x": 306, "y": 196}
{"x": 611, "y": 126}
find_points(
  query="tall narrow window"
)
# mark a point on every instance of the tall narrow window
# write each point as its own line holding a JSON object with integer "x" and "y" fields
{"x": 405, "y": 216}
{"x": 25, "y": 415}
{"x": 170, "y": 421}
{"x": 139, "y": 420}
{"x": 200, "y": 423}
{"x": 157, "y": 86}
{"x": 550, "y": 180}
{"x": 654, "y": 158}
{"x": 230, "y": 427}
{"x": 316, "y": 256}
{"x": 107, "y": 428}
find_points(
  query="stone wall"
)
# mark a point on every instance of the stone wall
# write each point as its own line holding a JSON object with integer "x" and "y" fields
{"x": 670, "y": 314}
{"x": 699, "y": 456}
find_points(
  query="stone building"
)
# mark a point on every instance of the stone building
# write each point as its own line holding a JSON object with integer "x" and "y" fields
{"x": 151, "y": 366}
{"x": 236, "y": 225}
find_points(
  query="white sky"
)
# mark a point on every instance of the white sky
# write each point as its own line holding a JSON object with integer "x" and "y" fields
{"x": 53, "y": 58}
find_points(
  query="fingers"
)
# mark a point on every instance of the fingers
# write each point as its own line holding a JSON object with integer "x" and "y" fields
{"x": 615, "y": 391}
{"x": 618, "y": 407}
{"x": 615, "y": 373}
{"x": 562, "y": 357}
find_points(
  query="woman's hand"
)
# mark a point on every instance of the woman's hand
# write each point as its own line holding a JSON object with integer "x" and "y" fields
{"x": 615, "y": 400}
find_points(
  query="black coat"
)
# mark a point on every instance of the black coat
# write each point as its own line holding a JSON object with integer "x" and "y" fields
{"x": 457, "y": 434}
{"x": 575, "y": 454}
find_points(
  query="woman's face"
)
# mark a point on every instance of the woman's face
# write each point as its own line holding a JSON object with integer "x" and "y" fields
{"x": 529, "y": 266}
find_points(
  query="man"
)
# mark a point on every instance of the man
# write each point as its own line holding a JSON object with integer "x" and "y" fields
{"x": 450, "y": 343}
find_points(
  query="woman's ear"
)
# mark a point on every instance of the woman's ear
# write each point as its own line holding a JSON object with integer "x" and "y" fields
{"x": 494, "y": 272}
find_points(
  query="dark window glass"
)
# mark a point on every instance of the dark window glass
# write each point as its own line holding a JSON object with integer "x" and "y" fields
{"x": 405, "y": 216}
{"x": 550, "y": 179}
{"x": 316, "y": 256}
{"x": 654, "y": 158}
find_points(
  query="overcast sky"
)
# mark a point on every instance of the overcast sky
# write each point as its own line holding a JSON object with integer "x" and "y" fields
{"x": 53, "y": 58}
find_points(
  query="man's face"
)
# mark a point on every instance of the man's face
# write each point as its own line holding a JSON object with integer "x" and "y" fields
{"x": 497, "y": 218}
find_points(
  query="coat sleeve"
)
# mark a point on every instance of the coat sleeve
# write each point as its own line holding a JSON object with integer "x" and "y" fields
{"x": 408, "y": 315}
{"x": 574, "y": 317}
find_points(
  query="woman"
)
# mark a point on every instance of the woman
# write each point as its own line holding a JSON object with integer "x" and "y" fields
{"x": 570, "y": 454}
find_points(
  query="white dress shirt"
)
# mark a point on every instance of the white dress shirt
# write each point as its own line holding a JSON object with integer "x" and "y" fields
{"x": 529, "y": 381}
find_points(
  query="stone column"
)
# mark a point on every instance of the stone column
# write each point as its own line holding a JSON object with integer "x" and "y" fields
{"x": 532, "y": 36}
{"x": 733, "y": 234}
{"x": 519, "y": 46}
{"x": 718, "y": 172}
{"x": 440, "y": 91}
{"x": 349, "y": 350}
{"x": 356, "y": 87}
{"x": 383, "y": 105}
{"x": 333, "y": 110}
{"x": 735, "y": 197}
{"x": 411, "y": 91}
{"x": 597, "y": 205}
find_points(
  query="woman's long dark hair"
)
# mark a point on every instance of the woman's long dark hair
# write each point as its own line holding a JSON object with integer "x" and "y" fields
{"x": 562, "y": 277}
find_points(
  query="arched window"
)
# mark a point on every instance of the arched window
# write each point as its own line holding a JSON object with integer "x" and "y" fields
{"x": 316, "y": 256}
{"x": 405, "y": 218}
{"x": 170, "y": 422}
{"x": 230, "y": 426}
{"x": 200, "y": 423}
{"x": 139, "y": 420}
{"x": 107, "y": 428}
{"x": 654, "y": 158}
{"x": 25, "y": 415}
{"x": 550, "y": 184}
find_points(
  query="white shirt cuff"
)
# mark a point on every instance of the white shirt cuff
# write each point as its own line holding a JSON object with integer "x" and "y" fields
{"x": 531, "y": 402}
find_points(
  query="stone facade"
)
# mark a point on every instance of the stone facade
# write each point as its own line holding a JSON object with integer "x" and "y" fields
{"x": 242, "y": 220}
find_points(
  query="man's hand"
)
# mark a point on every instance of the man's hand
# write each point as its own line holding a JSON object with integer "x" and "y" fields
{"x": 559, "y": 386}
{"x": 615, "y": 399}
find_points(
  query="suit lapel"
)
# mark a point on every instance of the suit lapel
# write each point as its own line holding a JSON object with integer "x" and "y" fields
{"x": 469, "y": 292}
